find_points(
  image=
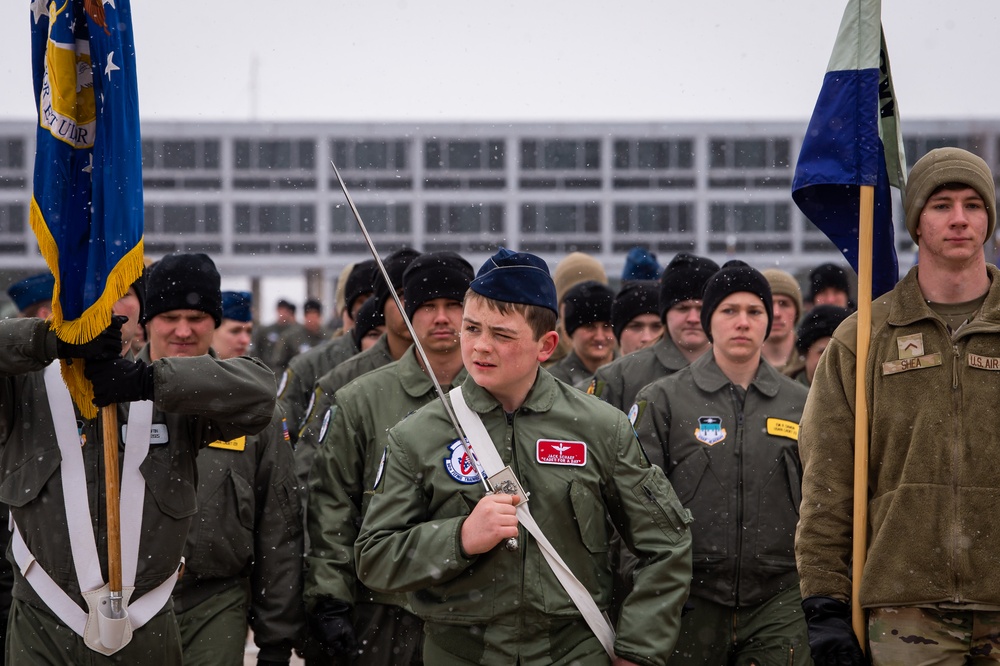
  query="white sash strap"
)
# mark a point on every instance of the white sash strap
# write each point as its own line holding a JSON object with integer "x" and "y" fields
{"x": 491, "y": 461}
{"x": 62, "y": 605}
{"x": 133, "y": 488}
{"x": 74, "y": 482}
{"x": 78, "y": 518}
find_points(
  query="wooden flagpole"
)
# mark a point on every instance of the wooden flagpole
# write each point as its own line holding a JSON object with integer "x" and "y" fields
{"x": 865, "y": 242}
{"x": 109, "y": 415}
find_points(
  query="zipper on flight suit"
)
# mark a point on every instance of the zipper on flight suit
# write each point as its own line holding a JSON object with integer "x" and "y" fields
{"x": 738, "y": 412}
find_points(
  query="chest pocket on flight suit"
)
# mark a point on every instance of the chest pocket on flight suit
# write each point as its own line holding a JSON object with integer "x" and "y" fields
{"x": 175, "y": 496}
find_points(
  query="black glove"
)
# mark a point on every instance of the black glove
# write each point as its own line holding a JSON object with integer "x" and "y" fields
{"x": 831, "y": 637}
{"x": 270, "y": 662}
{"x": 107, "y": 344}
{"x": 331, "y": 624}
{"x": 119, "y": 380}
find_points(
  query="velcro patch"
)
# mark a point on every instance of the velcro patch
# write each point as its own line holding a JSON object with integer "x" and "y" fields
{"x": 915, "y": 363}
{"x": 558, "y": 452}
{"x": 783, "y": 428}
{"x": 238, "y": 444}
{"x": 983, "y": 362}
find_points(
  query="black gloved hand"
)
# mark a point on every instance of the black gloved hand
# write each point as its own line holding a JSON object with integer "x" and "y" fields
{"x": 831, "y": 637}
{"x": 107, "y": 344}
{"x": 271, "y": 662}
{"x": 119, "y": 380}
{"x": 331, "y": 624}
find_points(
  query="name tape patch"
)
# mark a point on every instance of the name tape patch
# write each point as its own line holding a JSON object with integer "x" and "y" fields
{"x": 983, "y": 362}
{"x": 915, "y": 363}
{"x": 558, "y": 452}
{"x": 238, "y": 444}
{"x": 783, "y": 428}
{"x": 157, "y": 434}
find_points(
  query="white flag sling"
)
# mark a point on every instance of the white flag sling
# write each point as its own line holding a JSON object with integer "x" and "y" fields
{"x": 78, "y": 519}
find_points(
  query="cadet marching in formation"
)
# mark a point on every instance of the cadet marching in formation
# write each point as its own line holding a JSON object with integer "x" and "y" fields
{"x": 442, "y": 482}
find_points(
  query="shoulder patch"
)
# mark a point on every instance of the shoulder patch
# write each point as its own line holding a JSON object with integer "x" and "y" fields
{"x": 283, "y": 384}
{"x": 326, "y": 424}
{"x": 309, "y": 407}
{"x": 381, "y": 468}
{"x": 633, "y": 413}
{"x": 459, "y": 466}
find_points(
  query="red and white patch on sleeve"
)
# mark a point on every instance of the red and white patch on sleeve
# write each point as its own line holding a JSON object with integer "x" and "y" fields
{"x": 558, "y": 452}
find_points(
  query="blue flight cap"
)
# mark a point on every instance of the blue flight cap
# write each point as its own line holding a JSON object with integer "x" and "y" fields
{"x": 34, "y": 289}
{"x": 236, "y": 305}
{"x": 517, "y": 277}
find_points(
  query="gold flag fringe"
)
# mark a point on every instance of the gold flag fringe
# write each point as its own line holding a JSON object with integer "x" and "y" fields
{"x": 95, "y": 318}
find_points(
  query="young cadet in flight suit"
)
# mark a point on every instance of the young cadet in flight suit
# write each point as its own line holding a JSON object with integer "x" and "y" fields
{"x": 388, "y": 349}
{"x": 725, "y": 431}
{"x": 930, "y": 585}
{"x": 432, "y": 532}
{"x": 244, "y": 549}
{"x": 681, "y": 286}
{"x": 295, "y": 388}
{"x": 587, "y": 322}
{"x": 349, "y": 460}
{"x": 195, "y": 401}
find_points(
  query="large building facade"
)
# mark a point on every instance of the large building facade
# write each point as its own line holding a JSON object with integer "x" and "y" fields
{"x": 263, "y": 200}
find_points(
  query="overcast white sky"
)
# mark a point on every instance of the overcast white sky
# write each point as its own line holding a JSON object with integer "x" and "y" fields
{"x": 453, "y": 60}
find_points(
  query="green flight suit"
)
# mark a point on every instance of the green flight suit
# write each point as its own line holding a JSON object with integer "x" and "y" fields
{"x": 505, "y": 607}
{"x": 346, "y": 467}
{"x": 618, "y": 382}
{"x": 733, "y": 457}
{"x": 570, "y": 369}
{"x": 197, "y": 401}
{"x": 295, "y": 389}
{"x": 294, "y": 341}
{"x": 374, "y": 357}
{"x": 247, "y": 534}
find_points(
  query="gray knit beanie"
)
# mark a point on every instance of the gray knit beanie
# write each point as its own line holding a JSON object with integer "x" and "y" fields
{"x": 948, "y": 165}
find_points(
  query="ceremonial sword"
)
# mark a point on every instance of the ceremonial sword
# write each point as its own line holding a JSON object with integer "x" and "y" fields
{"x": 505, "y": 478}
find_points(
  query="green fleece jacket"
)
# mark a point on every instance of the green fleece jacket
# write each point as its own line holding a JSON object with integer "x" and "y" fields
{"x": 934, "y": 432}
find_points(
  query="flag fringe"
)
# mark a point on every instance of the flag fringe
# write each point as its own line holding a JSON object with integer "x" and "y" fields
{"x": 95, "y": 318}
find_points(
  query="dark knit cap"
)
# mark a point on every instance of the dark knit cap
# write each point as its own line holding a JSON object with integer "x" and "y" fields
{"x": 825, "y": 276}
{"x": 236, "y": 305}
{"x": 516, "y": 277}
{"x": 31, "y": 290}
{"x": 435, "y": 275}
{"x": 820, "y": 322}
{"x": 641, "y": 264}
{"x": 183, "y": 282}
{"x": 586, "y": 303}
{"x": 684, "y": 280}
{"x": 360, "y": 282}
{"x": 636, "y": 298}
{"x": 369, "y": 316}
{"x": 735, "y": 276}
{"x": 395, "y": 265}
